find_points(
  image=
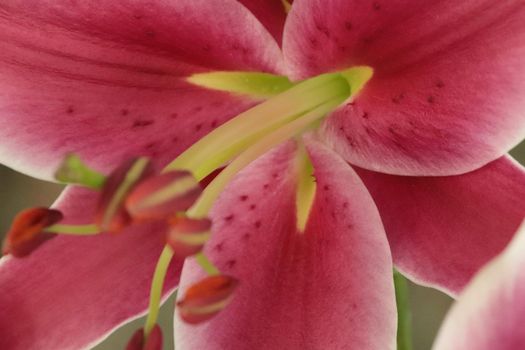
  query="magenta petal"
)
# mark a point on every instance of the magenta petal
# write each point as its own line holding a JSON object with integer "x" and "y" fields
{"x": 490, "y": 313}
{"x": 106, "y": 80}
{"x": 447, "y": 92}
{"x": 73, "y": 291}
{"x": 443, "y": 229}
{"x": 270, "y": 13}
{"x": 329, "y": 288}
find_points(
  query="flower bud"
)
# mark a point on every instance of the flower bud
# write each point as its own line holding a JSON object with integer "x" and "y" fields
{"x": 26, "y": 232}
{"x": 206, "y": 298}
{"x": 111, "y": 215}
{"x": 154, "y": 341}
{"x": 187, "y": 236}
{"x": 159, "y": 197}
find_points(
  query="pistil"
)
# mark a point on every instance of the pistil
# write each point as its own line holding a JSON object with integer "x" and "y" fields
{"x": 233, "y": 137}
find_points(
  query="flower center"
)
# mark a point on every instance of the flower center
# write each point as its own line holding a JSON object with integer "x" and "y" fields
{"x": 132, "y": 193}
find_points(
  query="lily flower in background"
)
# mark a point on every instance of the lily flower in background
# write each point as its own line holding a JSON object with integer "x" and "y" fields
{"x": 351, "y": 133}
{"x": 490, "y": 312}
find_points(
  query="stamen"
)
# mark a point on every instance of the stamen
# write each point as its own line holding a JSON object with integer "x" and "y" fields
{"x": 81, "y": 230}
{"x": 161, "y": 196}
{"x": 153, "y": 342}
{"x": 306, "y": 187}
{"x": 187, "y": 236}
{"x": 27, "y": 231}
{"x": 255, "y": 84}
{"x": 74, "y": 171}
{"x": 206, "y": 298}
{"x": 111, "y": 215}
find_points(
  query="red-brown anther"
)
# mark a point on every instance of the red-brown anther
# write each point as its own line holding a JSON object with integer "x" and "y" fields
{"x": 206, "y": 298}
{"x": 154, "y": 341}
{"x": 187, "y": 236}
{"x": 26, "y": 232}
{"x": 111, "y": 215}
{"x": 160, "y": 197}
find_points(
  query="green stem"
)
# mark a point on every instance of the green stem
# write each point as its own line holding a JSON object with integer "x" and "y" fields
{"x": 404, "y": 317}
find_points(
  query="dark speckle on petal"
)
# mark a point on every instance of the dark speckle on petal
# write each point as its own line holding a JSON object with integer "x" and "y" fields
{"x": 439, "y": 84}
{"x": 141, "y": 123}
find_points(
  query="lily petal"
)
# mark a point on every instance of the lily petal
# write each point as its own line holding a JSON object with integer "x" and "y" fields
{"x": 490, "y": 313}
{"x": 73, "y": 291}
{"x": 443, "y": 229}
{"x": 271, "y": 13}
{"x": 107, "y": 80}
{"x": 330, "y": 287}
{"x": 447, "y": 92}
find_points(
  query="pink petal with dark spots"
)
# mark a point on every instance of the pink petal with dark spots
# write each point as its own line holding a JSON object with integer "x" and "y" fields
{"x": 71, "y": 292}
{"x": 443, "y": 229}
{"x": 447, "y": 93}
{"x": 107, "y": 80}
{"x": 329, "y": 288}
{"x": 490, "y": 313}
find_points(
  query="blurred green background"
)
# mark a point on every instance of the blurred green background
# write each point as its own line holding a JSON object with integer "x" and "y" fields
{"x": 18, "y": 191}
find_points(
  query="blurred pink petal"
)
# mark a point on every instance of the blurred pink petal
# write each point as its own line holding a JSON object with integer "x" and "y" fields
{"x": 329, "y": 288}
{"x": 443, "y": 229}
{"x": 107, "y": 80}
{"x": 490, "y": 313}
{"x": 72, "y": 291}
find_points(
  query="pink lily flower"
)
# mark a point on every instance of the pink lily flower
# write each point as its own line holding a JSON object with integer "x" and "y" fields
{"x": 426, "y": 137}
{"x": 490, "y": 312}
